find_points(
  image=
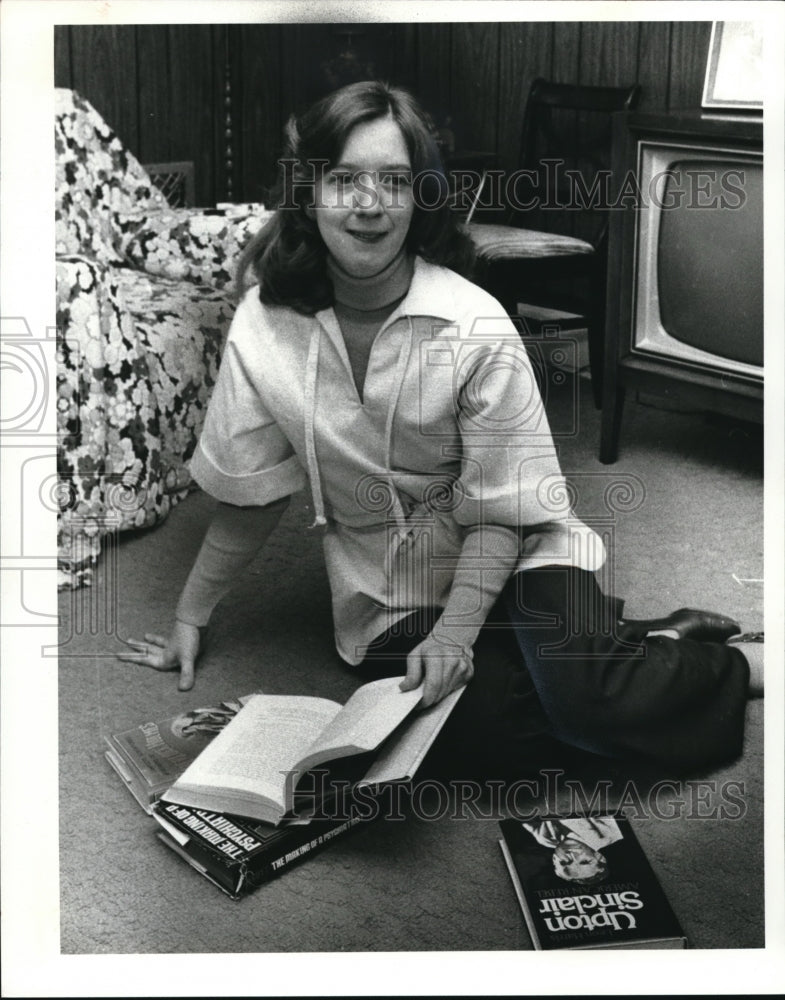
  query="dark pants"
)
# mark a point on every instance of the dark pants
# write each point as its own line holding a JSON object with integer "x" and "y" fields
{"x": 553, "y": 671}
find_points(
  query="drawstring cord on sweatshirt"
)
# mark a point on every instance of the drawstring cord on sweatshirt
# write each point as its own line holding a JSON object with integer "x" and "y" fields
{"x": 311, "y": 371}
{"x": 400, "y": 368}
{"x": 309, "y": 416}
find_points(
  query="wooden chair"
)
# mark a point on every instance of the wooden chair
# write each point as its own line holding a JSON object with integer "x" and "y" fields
{"x": 551, "y": 246}
{"x": 175, "y": 181}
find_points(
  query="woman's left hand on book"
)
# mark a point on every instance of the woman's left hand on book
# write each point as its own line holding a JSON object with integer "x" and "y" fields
{"x": 440, "y": 665}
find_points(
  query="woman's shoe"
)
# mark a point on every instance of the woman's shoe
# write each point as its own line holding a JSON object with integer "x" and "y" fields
{"x": 747, "y": 637}
{"x": 687, "y": 623}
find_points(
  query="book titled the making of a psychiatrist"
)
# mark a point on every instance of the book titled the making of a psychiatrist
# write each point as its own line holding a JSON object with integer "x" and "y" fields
{"x": 238, "y": 854}
{"x": 584, "y": 882}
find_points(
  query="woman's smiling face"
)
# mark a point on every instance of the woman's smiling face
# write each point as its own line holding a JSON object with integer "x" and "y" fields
{"x": 364, "y": 202}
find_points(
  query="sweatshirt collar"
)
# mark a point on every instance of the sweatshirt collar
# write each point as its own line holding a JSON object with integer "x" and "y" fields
{"x": 429, "y": 295}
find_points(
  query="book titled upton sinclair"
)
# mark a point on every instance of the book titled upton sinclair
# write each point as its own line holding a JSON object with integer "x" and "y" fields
{"x": 585, "y": 882}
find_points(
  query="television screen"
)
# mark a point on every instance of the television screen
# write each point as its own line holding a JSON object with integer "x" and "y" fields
{"x": 699, "y": 257}
{"x": 710, "y": 257}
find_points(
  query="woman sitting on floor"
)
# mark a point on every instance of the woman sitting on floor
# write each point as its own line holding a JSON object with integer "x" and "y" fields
{"x": 362, "y": 360}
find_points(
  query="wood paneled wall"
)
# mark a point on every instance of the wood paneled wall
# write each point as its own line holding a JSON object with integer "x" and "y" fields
{"x": 220, "y": 94}
{"x": 160, "y": 87}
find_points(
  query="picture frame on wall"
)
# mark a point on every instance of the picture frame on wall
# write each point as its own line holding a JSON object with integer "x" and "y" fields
{"x": 734, "y": 68}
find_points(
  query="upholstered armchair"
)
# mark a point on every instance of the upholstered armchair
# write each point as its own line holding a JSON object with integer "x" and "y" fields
{"x": 144, "y": 300}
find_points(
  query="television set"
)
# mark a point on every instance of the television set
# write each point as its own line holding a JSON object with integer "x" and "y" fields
{"x": 685, "y": 272}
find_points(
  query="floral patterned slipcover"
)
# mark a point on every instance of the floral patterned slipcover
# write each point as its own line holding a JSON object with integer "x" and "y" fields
{"x": 144, "y": 300}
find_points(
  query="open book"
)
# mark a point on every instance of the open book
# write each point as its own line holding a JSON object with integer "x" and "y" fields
{"x": 251, "y": 768}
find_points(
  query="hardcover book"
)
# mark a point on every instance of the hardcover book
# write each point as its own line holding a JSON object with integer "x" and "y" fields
{"x": 238, "y": 854}
{"x": 584, "y": 882}
{"x": 253, "y": 766}
{"x": 149, "y": 757}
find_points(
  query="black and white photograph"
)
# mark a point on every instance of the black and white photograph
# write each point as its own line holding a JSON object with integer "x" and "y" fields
{"x": 388, "y": 479}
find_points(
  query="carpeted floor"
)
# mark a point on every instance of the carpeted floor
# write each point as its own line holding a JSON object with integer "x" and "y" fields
{"x": 685, "y": 521}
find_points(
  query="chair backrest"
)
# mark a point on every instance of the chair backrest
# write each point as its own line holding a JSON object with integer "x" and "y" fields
{"x": 566, "y": 138}
{"x": 175, "y": 180}
{"x": 95, "y": 177}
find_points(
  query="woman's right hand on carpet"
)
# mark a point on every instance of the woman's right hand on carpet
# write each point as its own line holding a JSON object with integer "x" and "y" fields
{"x": 180, "y": 650}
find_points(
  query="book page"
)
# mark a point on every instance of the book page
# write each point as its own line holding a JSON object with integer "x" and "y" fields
{"x": 367, "y": 718}
{"x": 404, "y": 751}
{"x": 259, "y": 747}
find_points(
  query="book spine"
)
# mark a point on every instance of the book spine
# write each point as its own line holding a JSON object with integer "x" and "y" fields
{"x": 233, "y": 866}
{"x": 140, "y": 792}
{"x": 516, "y": 882}
{"x": 228, "y": 887}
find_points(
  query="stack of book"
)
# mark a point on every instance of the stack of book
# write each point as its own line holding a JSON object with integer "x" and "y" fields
{"x": 243, "y": 791}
